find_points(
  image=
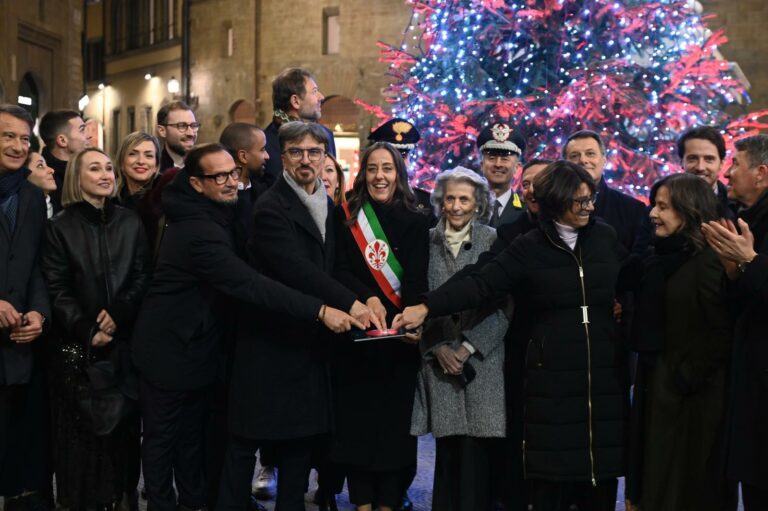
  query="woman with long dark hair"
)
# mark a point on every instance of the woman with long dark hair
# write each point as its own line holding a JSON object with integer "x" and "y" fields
{"x": 382, "y": 255}
{"x": 96, "y": 265}
{"x": 682, "y": 333}
{"x": 576, "y": 395}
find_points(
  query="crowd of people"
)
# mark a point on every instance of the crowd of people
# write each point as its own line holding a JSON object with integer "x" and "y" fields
{"x": 180, "y": 308}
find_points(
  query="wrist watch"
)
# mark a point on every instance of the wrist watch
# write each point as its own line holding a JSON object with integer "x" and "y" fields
{"x": 742, "y": 267}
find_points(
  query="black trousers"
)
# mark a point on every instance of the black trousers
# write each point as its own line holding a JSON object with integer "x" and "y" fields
{"x": 462, "y": 473}
{"x": 25, "y": 461}
{"x": 293, "y": 459}
{"x": 558, "y": 496}
{"x": 172, "y": 448}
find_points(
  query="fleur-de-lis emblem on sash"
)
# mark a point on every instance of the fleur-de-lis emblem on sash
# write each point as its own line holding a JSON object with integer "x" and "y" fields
{"x": 376, "y": 254}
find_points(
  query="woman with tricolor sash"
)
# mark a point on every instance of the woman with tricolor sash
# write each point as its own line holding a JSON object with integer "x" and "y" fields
{"x": 382, "y": 255}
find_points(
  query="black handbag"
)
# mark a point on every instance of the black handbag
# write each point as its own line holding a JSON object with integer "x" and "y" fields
{"x": 104, "y": 405}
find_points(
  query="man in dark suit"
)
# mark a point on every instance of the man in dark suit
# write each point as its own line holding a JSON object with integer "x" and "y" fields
{"x": 744, "y": 255}
{"x": 23, "y": 309}
{"x": 280, "y": 389}
{"x": 247, "y": 145}
{"x": 295, "y": 97}
{"x": 64, "y": 135}
{"x": 501, "y": 147}
{"x": 622, "y": 212}
{"x": 702, "y": 153}
{"x": 178, "y": 348}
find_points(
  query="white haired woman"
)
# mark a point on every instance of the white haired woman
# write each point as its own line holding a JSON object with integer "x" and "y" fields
{"x": 460, "y": 389}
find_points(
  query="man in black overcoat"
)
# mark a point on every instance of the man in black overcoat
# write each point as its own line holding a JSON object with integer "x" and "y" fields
{"x": 23, "y": 309}
{"x": 280, "y": 388}
{"x": 744, "y": 254}
{"x": 622, "y": 212}
{"x": 177, "y": 345}
{"x": 295, "y": 97}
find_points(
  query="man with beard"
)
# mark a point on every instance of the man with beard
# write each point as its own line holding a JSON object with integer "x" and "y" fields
{"x": 501, "y": 147}
{"x": 744, "y": 254}
{"x": 295, "y": 97}
{"x": 247, "y": 145}
{"x": 64, "y": 135}
{"x": 178, "y": 346}
{"x": 280, "y": 390}
{"x": 177, "y": 128}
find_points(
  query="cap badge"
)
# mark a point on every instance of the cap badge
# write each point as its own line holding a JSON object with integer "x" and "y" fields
{"x": 401, "y": 128}
{"x": 501, "y": 132}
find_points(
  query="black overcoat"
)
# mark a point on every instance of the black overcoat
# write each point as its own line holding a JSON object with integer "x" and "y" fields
{"x": 375, "y": 381}
{"x": 626, "y": 215}
{"x": 748, "y": 394}
{"x": 21, "y": 282}
{"x": 576, "y": 394}
{"x": 177, "y": 341}
{"x": 680, "y": 392}
{"x": 280, "y": 386}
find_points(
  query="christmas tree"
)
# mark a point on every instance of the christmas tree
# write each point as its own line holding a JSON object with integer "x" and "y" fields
{"x": 638, "y": 72}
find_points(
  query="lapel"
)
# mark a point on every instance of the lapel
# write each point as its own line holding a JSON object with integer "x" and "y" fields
{"x": 295, "y": 210}
{"x": 5, "y": 228}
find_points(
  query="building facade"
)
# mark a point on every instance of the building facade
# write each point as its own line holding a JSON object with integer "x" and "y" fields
{"x": 41, "y": 64}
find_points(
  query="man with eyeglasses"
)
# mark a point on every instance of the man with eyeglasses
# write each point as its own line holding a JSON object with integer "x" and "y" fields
{"x": 280, "y": 383}
{"x": 295, "y": 97}
{"x": 180, "y": 335}
{"x": 177, "y": 128}
{"x": 501, "y": 147}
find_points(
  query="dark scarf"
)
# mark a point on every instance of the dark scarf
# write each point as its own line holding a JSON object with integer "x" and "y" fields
{"x": 648, "y": 328}
{"x": 10, "y": 182}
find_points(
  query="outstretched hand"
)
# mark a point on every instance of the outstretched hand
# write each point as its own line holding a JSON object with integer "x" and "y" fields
{"x": 339, "y": 321}
{"x": 411, "y": 318}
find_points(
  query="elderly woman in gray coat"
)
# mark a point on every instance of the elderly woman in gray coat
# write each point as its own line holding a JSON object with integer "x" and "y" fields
{"x": 460, "y": 387}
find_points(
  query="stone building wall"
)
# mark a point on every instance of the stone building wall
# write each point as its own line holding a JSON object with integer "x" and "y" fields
{"x": 745, "y": 23}
{"x": 42, "y": 37}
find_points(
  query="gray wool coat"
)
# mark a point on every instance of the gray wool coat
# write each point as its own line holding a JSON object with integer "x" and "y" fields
{"x": 441, "y": 406}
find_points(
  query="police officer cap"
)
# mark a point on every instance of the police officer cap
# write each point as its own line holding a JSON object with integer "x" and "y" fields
{"x": 398, "y": 132}
{"x": 501, "y": 138}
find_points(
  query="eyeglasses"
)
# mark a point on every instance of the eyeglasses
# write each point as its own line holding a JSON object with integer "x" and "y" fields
{"x": 184, "y": 126}
{"x": 585, "y": 203}
{"x": 296, "y": 154}
{"x": 221, "y": 177}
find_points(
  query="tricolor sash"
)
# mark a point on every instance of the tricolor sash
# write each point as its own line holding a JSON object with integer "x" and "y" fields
{"x": 378, "y": 255}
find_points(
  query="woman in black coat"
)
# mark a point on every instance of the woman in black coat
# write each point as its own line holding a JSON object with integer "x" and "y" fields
{"x": 95, "y": 263}
{"x": 682, "y": 332}
{"x": 374, "y": 381}
{"x": 576, "y": 396}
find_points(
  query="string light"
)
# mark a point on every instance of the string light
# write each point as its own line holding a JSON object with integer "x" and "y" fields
{"x": 637, "y": 72}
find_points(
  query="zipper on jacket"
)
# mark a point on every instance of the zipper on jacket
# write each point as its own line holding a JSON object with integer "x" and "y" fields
{"x": 585, "y": 322}
{"x": 105, "y": 253}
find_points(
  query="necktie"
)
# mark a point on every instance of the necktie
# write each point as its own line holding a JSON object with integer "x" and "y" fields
{"x": 495, "y": 215}
{"x": 11, "y": 207}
